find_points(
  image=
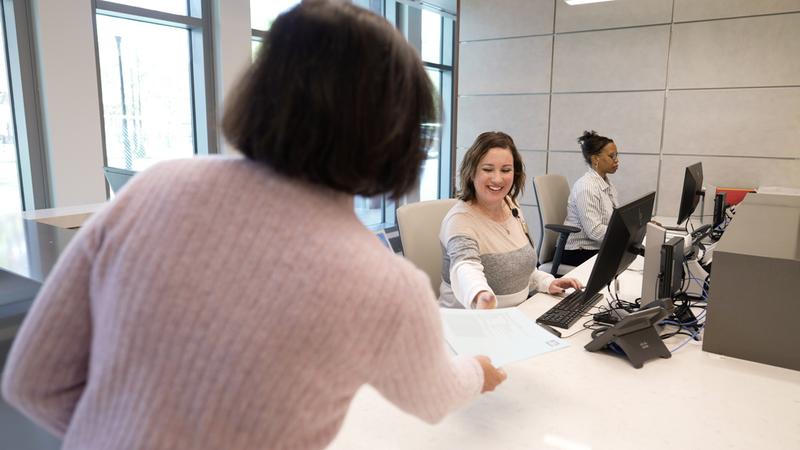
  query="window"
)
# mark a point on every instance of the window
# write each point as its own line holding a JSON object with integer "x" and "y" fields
{"x": 154, "y": 57}
{"x": 23, "y": 178}
{"x": 180, "y": 7}
{"x": 436, "y": 40}
{"x": 262, "y": 14}
{"x": 147, "y": 101}
{"x": 10, "y": 186}
{"x": 431, "y": 32}
{"x": 429, "y": 178}
{"x": 431, "y": 37}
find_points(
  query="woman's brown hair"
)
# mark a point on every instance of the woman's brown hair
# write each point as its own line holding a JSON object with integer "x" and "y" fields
{"x": 483, "y": 143}
{"x": 336, "y": 97}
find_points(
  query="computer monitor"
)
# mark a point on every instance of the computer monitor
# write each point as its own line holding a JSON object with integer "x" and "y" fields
{"x": 117, "y": 177}
{"x": 692, "y": 191}
{"x": 622, "y": 242}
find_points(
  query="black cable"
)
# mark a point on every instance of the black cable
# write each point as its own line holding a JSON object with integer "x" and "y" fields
{"x": 680, "y": 331}
{"x": 583, "y": 328}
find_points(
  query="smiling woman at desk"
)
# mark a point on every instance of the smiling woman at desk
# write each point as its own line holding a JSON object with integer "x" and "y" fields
{"x": 239, "y": 303}
{"x": 489, "y": 259}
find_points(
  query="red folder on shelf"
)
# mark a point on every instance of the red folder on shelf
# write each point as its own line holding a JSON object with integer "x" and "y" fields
{"x": 734, "y": 195}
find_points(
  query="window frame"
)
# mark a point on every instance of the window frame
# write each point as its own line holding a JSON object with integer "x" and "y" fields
{"x": 407, "y": 17}
{"x": 201, "y": 52}
{"x": 23, "y": 81}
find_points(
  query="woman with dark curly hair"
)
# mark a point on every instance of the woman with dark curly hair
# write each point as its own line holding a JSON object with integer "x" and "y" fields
{"x": 592, "y": 199}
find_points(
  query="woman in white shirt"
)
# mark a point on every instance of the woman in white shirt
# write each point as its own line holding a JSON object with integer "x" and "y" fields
{"x": 592, "y": 200}
{"x": 489, "y": 260}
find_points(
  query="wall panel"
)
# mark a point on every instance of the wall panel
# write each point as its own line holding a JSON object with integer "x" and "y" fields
{"x": 484, "y": 20}
{"x": 749, "y": 52}
{"x": 735, "y": 122}
{"x": 719, "y": 9}
{"x": 524, "y": 117}
{"x": 507, "y": 66}
{"x": 613, "y": 60}
{"x": 631, "y": 119}
{"x": 619, "y": 13}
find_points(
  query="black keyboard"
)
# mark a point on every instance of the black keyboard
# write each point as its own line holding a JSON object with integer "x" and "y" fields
{"x": 566, "y": 312}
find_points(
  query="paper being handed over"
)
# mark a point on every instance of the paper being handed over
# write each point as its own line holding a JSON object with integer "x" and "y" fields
{"x": 505, "y": 335}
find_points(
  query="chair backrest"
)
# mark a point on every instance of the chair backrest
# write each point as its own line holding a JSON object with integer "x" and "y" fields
{"x": 419, "y": 225}
{"x": 552, "y": 195}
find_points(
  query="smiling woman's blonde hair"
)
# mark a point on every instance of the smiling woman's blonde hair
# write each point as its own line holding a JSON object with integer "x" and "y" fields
{"x": 483, "y": 143}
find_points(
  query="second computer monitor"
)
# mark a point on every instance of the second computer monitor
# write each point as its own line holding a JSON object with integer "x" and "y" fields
{"x": 625, "y": 232}
{"x": 692, "y": 188}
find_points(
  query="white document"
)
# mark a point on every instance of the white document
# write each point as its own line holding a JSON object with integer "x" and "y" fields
{"x": 505, "y": 335}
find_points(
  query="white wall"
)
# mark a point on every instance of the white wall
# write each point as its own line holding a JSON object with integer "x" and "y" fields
{"x": 671, "y": 81}
{"x": 70, "y": 95}
{"x": 70, "y": 100}
{"x": 232, "y": 48}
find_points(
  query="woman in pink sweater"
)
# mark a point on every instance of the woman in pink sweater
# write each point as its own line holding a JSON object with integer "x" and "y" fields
{"x": 238, "y": 302}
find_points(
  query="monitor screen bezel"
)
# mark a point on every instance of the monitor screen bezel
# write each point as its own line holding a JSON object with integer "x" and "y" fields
{"x": 610, "y": 252}
{"x": 690, "y": 195}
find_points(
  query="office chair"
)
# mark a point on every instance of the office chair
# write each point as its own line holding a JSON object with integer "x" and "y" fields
{"x": 419, "y": 225}
{"x": 552, "y": 194}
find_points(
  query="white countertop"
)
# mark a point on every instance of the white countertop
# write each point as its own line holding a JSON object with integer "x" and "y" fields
{"x": 575, "y": 399}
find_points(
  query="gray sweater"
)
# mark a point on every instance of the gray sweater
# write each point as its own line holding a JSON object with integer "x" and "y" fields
{"x": 481, "y": 254}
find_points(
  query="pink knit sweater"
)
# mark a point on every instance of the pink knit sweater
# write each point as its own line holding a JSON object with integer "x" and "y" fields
{"x": 215, "y": 304}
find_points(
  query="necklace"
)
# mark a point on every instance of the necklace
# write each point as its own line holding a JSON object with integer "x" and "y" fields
{"x": 500, "y": 221}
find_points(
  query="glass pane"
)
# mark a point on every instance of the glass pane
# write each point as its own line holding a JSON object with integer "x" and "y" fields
{"x": 169, "y": 6}
{"x": 369, "y": 210}
{"x": 431, "y": 37}
{"x": 9, "y": 168}
{"x": 375, "y": 6}
{"x": 145, "y": 71}
{"x": 436, "y": 79}
{"x": 264, "y": 12}
{"x": 255, "y": 46}
{"x": 429, "y": 179}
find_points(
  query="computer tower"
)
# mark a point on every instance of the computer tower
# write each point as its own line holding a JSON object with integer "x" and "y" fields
{"x": 671, "y": 268}
{"x": 719, "y": 209}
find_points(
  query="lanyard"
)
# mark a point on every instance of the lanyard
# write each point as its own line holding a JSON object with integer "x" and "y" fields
{"x": 516, "y": 214}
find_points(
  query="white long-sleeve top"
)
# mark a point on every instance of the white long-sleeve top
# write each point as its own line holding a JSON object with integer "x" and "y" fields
{"x": 483, "y": 255}
{"x": 591, "y": 202}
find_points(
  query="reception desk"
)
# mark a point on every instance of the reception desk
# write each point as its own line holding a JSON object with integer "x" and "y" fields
{"x": 567, "y": 399}
{"x": 574, "y": 399}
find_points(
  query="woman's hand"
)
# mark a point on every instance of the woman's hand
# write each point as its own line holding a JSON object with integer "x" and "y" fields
{"x": 484, "y": 300}
{"x": 492, "y": 376}
{"x": 559, "y": 285}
